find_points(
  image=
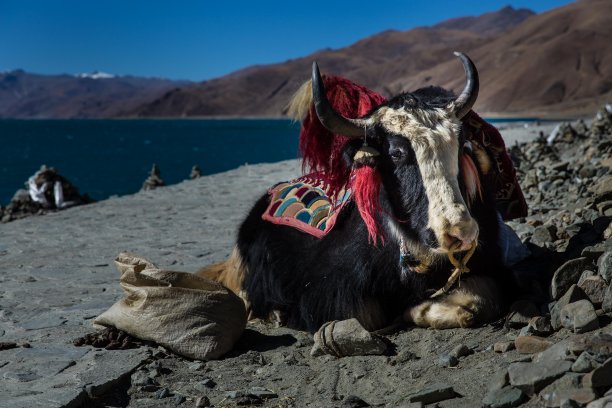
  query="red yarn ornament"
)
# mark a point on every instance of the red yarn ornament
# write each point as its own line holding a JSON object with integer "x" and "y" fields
{"x": 322, "y": 150}
{"x": 366, "y": 188}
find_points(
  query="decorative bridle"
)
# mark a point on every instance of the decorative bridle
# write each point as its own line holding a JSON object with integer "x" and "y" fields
{"x": 364, "y": 160}
{"x": 460, "y": 268}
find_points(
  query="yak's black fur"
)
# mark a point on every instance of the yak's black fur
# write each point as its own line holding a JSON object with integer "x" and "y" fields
{"x": 311, "y": 280}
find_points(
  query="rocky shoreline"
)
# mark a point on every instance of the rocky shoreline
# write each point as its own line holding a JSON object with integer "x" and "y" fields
{"x": 553, "y": 349}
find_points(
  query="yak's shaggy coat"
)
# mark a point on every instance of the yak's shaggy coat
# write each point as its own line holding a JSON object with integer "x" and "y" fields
{"x": 423, "y": 171}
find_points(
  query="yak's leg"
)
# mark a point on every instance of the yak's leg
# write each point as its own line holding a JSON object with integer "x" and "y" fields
{"x": 475, "y": 300}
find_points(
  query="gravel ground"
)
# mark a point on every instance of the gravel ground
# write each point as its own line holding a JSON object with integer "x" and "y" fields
{"x": 57, "y": 274}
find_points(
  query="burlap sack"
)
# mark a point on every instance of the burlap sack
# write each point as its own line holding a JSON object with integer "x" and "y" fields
{"x": 190, "y": 315}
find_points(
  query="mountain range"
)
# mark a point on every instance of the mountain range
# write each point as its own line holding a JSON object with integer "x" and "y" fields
{"x": 94, "y": 95}
{"x": 557, "y": 63}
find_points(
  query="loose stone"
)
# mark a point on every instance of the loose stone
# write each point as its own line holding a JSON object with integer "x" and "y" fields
{"x": 604, "y": 266}
{"x": 567, "y": 275}
{"x": 520, "y": 313}
{"x": 504, "y": 398}
{"x": 556, "y": 397}
{"x": 585, "y": 274}
{"x": 461, "y": 351}
{"x": 202, "y": 402}
{"x": 573, "y": 294}
{"x": 579, "y": 317}
{"x": 503, "y": 346}
{"x": 568, "y": 403}
{"x": 606, "y": 305}
{"x": 568, "y": 387}
{"x": 527, "y": 331}
{"x": 584, "y": 363}
{"x": 162, "y": 393}
{"x": 353, "y": 402}
{"x": 346, "y": 338}
{"x": 601, "y": 376}
{"x": 599, "y": 344}
{"x": 531, "y": 344}
{"x": 592, "y": 252}
{"x": 263, "y": 393}
{"x": 234, "y": 394}
{"x": 403, "y": 357}
{"x": 141, "y": 378}
{"x": 208, "y": 383}
{"x": 595, "y": 288}
{"x": 532, "y": 377}
{"x": 543, "y": 234}
{"x": 4, "y": 345}
{"x": 540, "y": 325}
{"x": 498, "y": 381}
{"x": 248, "y": 400}
{"x": 196, "y": 366}
{"x": 447, "y": 360}
{"x": 601, "y": 403}
{"x": 433, "y": 393}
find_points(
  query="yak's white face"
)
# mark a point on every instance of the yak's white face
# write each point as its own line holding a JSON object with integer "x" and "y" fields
{"x": 430, "y": 121}
{"x": 433, "y": 135}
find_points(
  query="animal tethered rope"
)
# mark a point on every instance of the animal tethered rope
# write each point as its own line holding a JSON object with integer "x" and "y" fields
{"x": 460, "y": 268}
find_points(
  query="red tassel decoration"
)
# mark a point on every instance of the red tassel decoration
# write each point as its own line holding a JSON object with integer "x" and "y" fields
{"x": 321, "y": 150}
{"x": 366, "y": 187}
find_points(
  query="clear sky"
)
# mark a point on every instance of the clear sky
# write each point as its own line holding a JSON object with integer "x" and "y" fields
{"x": 197, "y": 40}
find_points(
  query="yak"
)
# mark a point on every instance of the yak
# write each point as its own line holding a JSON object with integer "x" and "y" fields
{"x": 382, "y": 263}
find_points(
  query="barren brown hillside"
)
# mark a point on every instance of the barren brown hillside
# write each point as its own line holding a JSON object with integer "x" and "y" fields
{"x": 266, "y": 90}
{"x": 376, "y": 61}
{"x": 558, "y": 63}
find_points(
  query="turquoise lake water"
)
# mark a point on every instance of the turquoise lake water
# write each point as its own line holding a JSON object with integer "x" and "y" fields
{"x": 113, "y": 157}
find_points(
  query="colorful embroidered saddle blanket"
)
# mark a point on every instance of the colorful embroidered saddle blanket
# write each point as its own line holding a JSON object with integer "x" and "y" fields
{"x": 304, "y": 204}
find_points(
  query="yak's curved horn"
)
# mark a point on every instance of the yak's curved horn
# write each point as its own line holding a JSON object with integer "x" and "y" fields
{"x": 332, "y": 120}
{"x": 465, "y": 101}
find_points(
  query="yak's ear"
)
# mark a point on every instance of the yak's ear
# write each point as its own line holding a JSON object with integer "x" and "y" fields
{"x": 471, "y": 179}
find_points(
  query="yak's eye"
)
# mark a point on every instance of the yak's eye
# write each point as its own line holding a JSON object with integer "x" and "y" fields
{"x": 467, "y": 146}
{"x": 397, "y": 153}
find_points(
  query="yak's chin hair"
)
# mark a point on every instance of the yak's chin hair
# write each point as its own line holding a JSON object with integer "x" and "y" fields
{"x": 431, "y": 255}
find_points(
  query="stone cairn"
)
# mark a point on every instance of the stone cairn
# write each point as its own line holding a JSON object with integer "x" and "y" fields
{"x": 563, "y": 325}
{"x": 195, "y": 172}
{"x": 45, "y": 191}
{"x": 154, "y": 180}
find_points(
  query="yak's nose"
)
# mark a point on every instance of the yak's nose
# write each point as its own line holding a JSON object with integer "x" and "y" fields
{"x": 460, "y": 236}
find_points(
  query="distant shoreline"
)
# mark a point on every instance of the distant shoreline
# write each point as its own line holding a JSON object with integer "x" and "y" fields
{"x": 492, "y": 118}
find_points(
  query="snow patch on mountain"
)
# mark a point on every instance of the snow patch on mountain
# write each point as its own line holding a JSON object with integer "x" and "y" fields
{"x": 95, "y": 75}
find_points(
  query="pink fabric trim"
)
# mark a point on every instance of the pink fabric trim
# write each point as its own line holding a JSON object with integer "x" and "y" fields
{"x": 299, "y": 225}
{"x": 313, "y": 180}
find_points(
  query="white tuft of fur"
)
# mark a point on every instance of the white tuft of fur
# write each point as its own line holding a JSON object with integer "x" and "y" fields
{"x": 432, "y": 134}
{"x": 300, "y": 102}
